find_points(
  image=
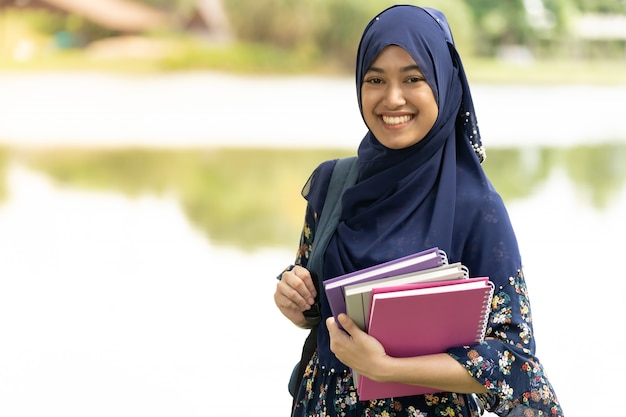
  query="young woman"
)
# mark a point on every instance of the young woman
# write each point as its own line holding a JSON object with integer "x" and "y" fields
{"x": 420, "y": 184}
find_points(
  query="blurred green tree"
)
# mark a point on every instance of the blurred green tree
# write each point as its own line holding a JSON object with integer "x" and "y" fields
{"x": 500, "y": 23}
{"x": 601, "y": 6}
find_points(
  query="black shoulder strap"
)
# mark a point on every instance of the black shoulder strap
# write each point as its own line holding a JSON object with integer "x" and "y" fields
{"x": 344, "y": 175}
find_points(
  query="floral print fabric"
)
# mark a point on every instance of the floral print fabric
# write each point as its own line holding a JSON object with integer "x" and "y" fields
{"x": 504, "y": 363}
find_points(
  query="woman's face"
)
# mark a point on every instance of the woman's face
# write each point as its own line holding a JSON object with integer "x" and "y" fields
{"x": 399, "y": 106}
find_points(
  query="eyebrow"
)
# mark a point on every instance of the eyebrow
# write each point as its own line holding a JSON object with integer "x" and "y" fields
{"x": 403, "y": 69}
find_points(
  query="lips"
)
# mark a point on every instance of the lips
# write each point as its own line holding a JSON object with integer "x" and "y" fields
{"x": 396, "y": 120}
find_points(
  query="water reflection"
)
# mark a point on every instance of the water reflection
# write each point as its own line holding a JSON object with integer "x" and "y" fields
{"x": 249, "y": 197}
{"x": 4, "y": 158}
{"x": 597, "y": 172}
{"x": 117, "y": 306}
{"x": 116, "y": 299}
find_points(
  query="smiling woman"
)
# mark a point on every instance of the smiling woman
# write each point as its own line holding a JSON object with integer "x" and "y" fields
{"x": 397, "y": 102}
{"x": 420, "y": 184}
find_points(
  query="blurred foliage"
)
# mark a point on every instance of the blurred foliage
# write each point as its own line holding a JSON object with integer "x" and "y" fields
{"x": 325, "y": 29}
{"x": 250, "y": 198}
{"x": 597, "y": 172}
{"x": 516, "y": 173}
{"x": 58, "y": 31}
{"x": 179, "y": 7}
{"x": 247, "y": 58}
{"x": 500, "y": 22}
{"x": 313, "y": 36}
{"x": 601, "y": 6}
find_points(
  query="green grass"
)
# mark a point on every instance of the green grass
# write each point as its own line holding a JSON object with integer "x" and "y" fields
{"x": 598, "y": 72}
{"x": 256, "y": 59}
{"x": 185, "y": 54}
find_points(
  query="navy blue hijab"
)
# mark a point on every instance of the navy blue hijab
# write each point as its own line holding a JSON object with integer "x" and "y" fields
{"x": 433, "y": 193}
{"x": 405, "y": 199}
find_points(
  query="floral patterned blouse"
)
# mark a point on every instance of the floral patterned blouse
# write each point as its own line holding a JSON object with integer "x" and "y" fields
{"x": 505, "y": 364}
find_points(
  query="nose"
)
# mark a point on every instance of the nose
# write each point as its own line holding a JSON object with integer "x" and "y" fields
{"x": 394, "y": 96}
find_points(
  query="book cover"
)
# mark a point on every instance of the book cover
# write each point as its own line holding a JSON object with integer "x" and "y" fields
{"x": 358, "y": 296}
{"x": 429, "y": 258}
{"x": 423, "y": 321}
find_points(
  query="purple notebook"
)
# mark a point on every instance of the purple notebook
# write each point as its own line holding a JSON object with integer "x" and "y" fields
{"x": 429, "y": 258}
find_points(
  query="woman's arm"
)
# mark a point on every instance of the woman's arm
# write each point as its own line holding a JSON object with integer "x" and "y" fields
{"x": 366, "y": 355}
{"x": 295, "y": 291}
{"x": 505, "y": 363}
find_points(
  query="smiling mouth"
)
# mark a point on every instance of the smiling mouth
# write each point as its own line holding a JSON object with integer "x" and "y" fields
{"x": 396, "y": 120}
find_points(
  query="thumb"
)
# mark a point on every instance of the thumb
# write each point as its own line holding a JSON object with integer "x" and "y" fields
{"x": 347, "y": 323}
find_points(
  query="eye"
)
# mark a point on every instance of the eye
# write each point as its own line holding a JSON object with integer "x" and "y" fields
{"x": 415, "y": 79}
{"x": 373, "y": 80}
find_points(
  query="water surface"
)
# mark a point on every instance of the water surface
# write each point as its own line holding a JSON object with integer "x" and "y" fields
{"x": 118, "y": 305}
{"x": 130, "y": 284}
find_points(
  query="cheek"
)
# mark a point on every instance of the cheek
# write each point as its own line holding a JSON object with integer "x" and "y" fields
{"x": 367, "y": 108}
{"x": 366, "y": 102}
{"x": 435, "y": 113}
{"x": 429, "y": 107}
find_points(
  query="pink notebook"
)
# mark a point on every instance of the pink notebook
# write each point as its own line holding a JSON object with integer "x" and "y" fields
{"x": 425, "y": 320}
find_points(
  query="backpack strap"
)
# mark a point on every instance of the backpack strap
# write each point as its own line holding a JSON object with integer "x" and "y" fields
{"x": 344, "y": 175}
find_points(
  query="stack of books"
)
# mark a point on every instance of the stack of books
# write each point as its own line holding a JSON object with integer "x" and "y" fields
{"x": 416, "y": 305}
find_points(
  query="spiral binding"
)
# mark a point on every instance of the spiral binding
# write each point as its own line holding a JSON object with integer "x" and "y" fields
{"x": 444, "y": 257}
{"x": 480, "y": 335}
{"x": 465, "y": 270}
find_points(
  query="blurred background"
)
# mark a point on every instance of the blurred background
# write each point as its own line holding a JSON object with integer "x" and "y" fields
{"x": 152, "y": 154}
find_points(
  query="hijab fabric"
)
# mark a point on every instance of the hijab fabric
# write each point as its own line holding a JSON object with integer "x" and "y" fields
{"x": 405, "y": 199}
{"x": 410, "y": 199}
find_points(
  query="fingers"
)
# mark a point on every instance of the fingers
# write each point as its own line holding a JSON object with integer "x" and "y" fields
{"x": 334, "y": 331}
{"x": 340, "y": 340}
{"x": 305, "y": 277}
{"x": 339, "y": 329}
{"x": 295, "y": 290}
{"x": 295, "y": 293}
{"x": 347, "y": 323}
{"x": 332, "y": 326}
{"x": 353, "y": 346}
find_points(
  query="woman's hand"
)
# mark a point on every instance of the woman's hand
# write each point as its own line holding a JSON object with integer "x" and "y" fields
{"x": 364, "y": 354}
{"x": 355, "y": 348}
{"x": 295, "y": 293}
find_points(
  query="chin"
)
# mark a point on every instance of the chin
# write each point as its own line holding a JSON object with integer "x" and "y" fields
{"x": 398, "y": 144}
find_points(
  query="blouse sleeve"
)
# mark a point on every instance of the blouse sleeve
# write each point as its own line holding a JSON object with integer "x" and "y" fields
{"x": 505, "y": 363}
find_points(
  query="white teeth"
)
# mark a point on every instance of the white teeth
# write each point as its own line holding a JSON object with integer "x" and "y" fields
{"x": 396, "y": 120}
